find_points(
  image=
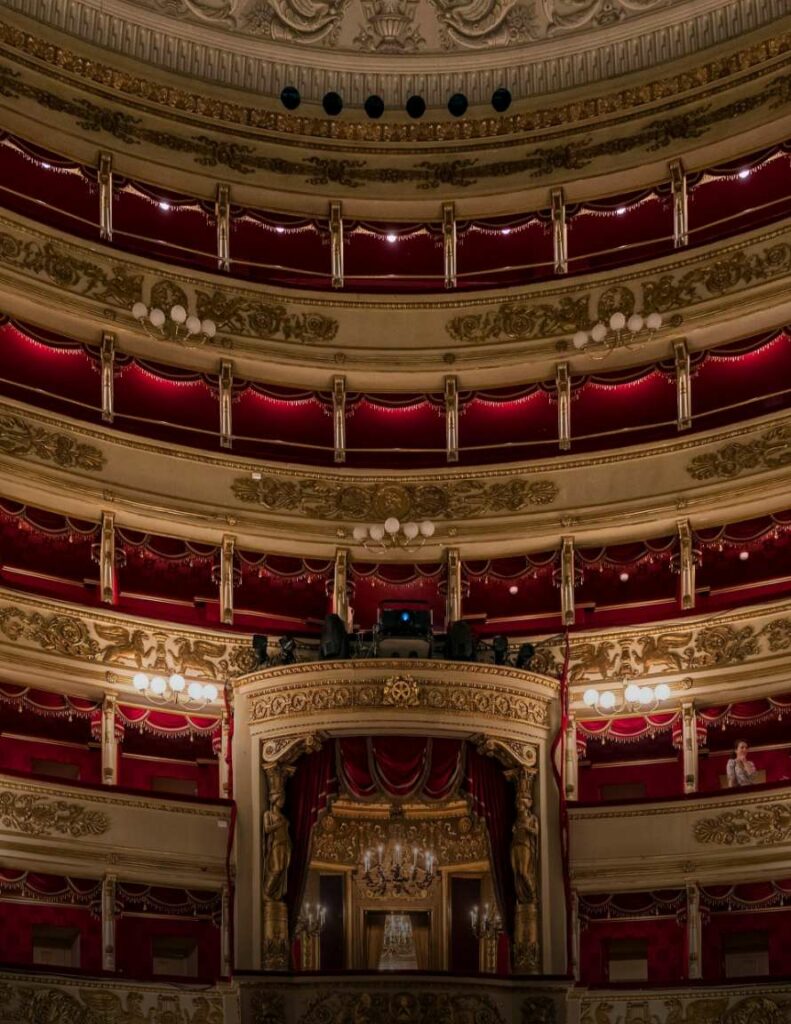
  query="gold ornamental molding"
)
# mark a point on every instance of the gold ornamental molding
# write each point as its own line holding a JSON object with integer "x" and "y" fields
{"x": 770, "y": 450}
{"x": 705, "y": 645}
{"x": 340, "y": 694}
{"x": 731, "y": 289}
{"x": 360, "y": 501}
{"x": 36, "y": 815}
{"x": 747, "y": 826}
{"x": 734, "y": 1004}
{"x": 65, "y": 634}
{"x": 21, "y": 439}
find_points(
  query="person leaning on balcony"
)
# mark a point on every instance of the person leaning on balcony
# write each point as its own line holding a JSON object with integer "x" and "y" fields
{"x": 741, "y": 772}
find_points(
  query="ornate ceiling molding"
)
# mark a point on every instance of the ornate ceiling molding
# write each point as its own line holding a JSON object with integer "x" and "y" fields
{"x": 161, "y": 128}
{"x": 531, "y": 49}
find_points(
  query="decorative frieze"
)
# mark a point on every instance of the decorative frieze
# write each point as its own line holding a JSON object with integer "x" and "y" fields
{"x": 36, "y": 815}
{"x": 747, "y": 826}
{"x": 770, "y": 450}
{"x": 362, "y": 501}
{"x": 22, "y": 439}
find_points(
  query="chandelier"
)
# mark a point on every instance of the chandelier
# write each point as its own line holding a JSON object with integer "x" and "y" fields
{"x": 177, "y": 324}
{"x": 173, "y": 689}
{"x": 619, "y": 331}
{"x": 396, "y": 871}
{"x": 486, "y": 925}
{"x": 392, "y": 533}
{"x": 633, "y": 698}
{"x": 311, "y": 920}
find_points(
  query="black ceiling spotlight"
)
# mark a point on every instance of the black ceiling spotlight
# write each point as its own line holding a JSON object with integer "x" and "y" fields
{"x": 501, "y": 100}
{"x": 525, "y": 656}
{"x": 332, "y": 104}
{"x": 374, "y": 106}
{"x": 457, "y": 105}
{"x": 290, "y": 97}
{"x": 416, "y": 106}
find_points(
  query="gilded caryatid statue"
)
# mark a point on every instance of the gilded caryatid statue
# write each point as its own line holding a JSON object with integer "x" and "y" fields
{"x": 276, "y": 838}
{"x": 524, "y": 847}
{"x": 524, "y": 862}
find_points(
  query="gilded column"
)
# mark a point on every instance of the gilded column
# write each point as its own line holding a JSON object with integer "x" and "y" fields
{"x": 108, "y": 923}
{"x": 107, "y": 559}
{"x": 108, "y": 376}
{"x": 222, "y": 213}
{"x": 567, "y": 581}
{"x": 226, "y": 579}
{"x": 340, "y": 585}
{"x": 452, "y": 419}
{"x": 686, "y": 564}
{"x": 454, "y": 585}
{"x": 109, "y": 742}
{"x": 336, "y": 244}
{"x": 339, "y": 418}
{"x": 449, "y": 243}
{"x": 105, "y": 197}
{"x": 559, "y": 231}
{"x": 683, "y": 386}
{"x": 678, "y": 182}
{"x": 525, "y": 864}
{"x": 563, "y": 386}
{"x": 689, "y": 746}
{"x": 571, "y": 765}
{"x": 694, "y": 932}
{"x": 226, "y": 404}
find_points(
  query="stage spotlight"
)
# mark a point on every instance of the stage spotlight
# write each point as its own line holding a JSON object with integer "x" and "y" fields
{"x": 374, "y": 106}
{"x": 290, "y": 97}
{"x": 501, "y": 100}
{"x": 500, "y": 648}
{"x": 525, "y": 656}
{"x": 457, "y": 105}
{"x": 332, "y": 104}
{"x": 460, "y": 642}
{"x": 415, "y": 106}
{"x": 259, "y": 648}
{"x": 288, "y": 650}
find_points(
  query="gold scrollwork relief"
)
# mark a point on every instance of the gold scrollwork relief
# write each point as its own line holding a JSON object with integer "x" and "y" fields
{"x": 747, "y": 826}
{"x": 334, "y": 499}
{"x": 19, "y": 438}
{"x": 27, "y": 1004}
{"x": 41, "y": 816}
{"x": 124, "y": 646}
{"x": 770, "y": 450}
{"x": 492, "y": 700}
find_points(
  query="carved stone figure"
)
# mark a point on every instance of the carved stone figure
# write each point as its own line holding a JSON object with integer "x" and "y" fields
{"x": 276, "y": 838}
{"x": 524, "y": 844}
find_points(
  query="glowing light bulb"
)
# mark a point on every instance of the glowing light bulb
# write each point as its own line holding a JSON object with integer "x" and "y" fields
{"x": 632, "y": 693}
{"x": 506, "y": 231}
{"x": 140, "y": 681}
{"x": 662, "y": 691}
{"x": 744, "y": 174}
{"x": 513, "y": 589}
{"x": 392, "y": 238}
{"x": 621, "y": 211}
{"x": 280, "y": 230}
{"x": 580, "y": 339}
{"x": 607, "y": 700}
{"x": 210, "y": 692}
{"x": 195, "y": 691}
{"x": 590, "y": 698}
{"x": 744, "y": 555}
{"x": 624, "y": 577}
{"x": 158, "y": 685}
{"x": 164, "y": 206}
{"x": 176, "y": 682}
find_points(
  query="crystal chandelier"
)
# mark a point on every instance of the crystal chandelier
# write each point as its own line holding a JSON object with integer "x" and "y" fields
{"x": 397, "y": 871}
{"x": 177, "y": 324}
{"x": 393, "y": 533}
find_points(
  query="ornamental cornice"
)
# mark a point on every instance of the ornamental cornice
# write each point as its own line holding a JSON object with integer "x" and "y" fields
{"x": 733, "y": 286}
{"x": 526, "y": 54}
{"x": 602, "y": 498}
{"x": 357, "y": 694}
{"x": 270, "y": 146}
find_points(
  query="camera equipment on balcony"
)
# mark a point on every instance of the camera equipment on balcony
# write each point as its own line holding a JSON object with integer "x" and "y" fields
{"x": 460, "y": 644}
{"x": 334, "y": 639}
{"x": 404, "y": 631}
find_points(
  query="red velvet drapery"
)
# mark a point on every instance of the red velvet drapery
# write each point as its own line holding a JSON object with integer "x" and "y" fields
{"x": 400, "y": 766}
{"x": 492, "y": 800}
{"x": 307, "y": 794}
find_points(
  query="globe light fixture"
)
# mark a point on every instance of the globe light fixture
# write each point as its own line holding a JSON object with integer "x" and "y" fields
{"x": 171, "y": 689}
{"x": 392, "y": 533}
{"x": 619, "y": 331}
{"x": 633, "y": 698}
{"x": 178, "y": 324}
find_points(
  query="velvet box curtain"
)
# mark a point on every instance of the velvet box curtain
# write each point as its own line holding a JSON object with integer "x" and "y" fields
{"x": 492, "y": 800}
{"x": 400, "y": 767}
{"x": 307, "y": 794}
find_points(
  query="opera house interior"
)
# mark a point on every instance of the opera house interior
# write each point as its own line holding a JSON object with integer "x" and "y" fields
{"x": 395, "y": 579}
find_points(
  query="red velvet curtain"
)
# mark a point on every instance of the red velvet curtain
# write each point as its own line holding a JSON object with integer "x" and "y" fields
{"x": 307, "y": 794}
{"x": 400, "y": 766}
{"x": 492, "y": 800}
